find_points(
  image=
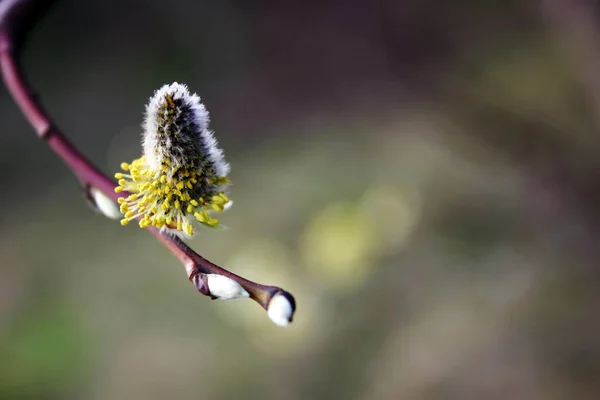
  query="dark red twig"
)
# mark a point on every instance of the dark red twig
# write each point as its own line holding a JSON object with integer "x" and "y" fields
{"x": 15, "y": 18}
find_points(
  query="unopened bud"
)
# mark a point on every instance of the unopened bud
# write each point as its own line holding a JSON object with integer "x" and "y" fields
{"x": 225, "y": 288}
{"x": 104, "y": 204}
{"x": 281, "y": 308}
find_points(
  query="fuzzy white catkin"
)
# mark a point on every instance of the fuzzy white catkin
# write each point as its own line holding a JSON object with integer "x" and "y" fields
{"x": 182, "y": 176}
{"x": 191, "y": 111}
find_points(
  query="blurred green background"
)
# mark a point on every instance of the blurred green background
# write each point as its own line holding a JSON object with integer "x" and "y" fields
{"x": 422, "y": 176}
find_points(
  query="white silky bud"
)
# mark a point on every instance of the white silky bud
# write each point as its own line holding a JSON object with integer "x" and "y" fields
{"x": 104, "y": 204}
{"x": 281, "y": 309}
{"x": 225, "y": 288}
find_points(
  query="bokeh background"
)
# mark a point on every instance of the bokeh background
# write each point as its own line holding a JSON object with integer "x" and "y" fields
{"x": 422, "y": 175}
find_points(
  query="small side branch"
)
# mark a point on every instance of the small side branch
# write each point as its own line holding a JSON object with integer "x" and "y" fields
{"x": 16, "y": 16}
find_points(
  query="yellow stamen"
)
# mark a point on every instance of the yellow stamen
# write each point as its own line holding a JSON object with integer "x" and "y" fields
{"x": 168, "y": 196}
{"x": 213, "y": 222}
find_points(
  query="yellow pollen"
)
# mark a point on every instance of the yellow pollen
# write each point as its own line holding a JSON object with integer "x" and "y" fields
{"x": 168, "y": 196}
{"x": 218, "y": 200}
{"x": 201, "y": 217}
{"x": 212, "y": 222}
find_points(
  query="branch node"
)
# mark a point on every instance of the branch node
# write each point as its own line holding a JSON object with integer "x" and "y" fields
{"x": 201, "y": 282}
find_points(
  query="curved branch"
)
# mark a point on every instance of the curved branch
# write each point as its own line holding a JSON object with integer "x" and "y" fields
{"x": 16, "y": 16}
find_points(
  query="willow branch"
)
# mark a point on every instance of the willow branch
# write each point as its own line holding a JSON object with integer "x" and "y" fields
{"x": 16, "y": 18}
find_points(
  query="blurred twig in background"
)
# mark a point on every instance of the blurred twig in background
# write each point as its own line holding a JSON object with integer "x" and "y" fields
{"x": 576, "y": 25}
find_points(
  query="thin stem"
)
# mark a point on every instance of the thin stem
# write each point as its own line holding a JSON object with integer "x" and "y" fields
{"x": 14, "y": 16}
